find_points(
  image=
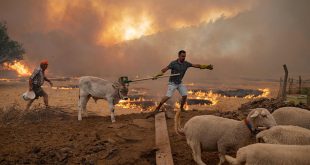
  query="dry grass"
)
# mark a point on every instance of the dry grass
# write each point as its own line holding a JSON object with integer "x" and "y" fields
{"x": 16, "y": 115}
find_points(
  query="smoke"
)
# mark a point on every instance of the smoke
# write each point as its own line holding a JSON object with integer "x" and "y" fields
{"x": 114, "y": 38}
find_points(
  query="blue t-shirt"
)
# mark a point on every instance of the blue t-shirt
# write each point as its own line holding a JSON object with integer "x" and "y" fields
{"x": 177, "y": 67}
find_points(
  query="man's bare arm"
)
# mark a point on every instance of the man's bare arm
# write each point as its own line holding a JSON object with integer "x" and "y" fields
{"x": 164, "y": 69}
{"x": 161, "y": 73}
{"x": 196, "y": 65}
{"x": 210, "y": 67}
{"x": 30, "y": 84}
{"x": 48, "y": 80}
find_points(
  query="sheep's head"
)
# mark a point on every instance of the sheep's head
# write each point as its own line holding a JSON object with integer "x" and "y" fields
{"x": 261, "y": 119}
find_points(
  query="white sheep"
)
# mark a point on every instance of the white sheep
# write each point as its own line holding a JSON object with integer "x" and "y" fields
{"x": 285, "y": 134}
{"x": 292, "y": 116}
{"x": 213, "y": 133}
{"x": 271, "y": 154}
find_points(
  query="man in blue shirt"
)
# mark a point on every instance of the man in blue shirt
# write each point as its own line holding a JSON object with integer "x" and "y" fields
{"x": 175, "y": 82}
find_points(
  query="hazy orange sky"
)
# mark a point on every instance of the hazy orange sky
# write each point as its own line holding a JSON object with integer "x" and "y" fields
{"x": 242, "y": 38}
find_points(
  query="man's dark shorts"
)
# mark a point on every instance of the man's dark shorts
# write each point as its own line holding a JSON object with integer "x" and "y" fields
{"x": 38, "y": 91}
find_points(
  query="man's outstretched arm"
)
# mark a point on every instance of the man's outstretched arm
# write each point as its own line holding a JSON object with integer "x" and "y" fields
{"x": 161, "y": 72}
{"x": 210, "y": 67}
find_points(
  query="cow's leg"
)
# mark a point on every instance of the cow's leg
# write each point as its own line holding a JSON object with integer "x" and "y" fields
{"x": 82, "y": 105}
{"x": 111, "y": 107}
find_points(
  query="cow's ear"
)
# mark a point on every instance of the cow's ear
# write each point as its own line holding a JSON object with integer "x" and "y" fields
{"x": 120, "y": 80}
{"x": 115, "y": 86}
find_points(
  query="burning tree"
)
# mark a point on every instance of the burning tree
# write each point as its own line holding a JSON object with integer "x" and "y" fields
{"x": 10, "y": 50}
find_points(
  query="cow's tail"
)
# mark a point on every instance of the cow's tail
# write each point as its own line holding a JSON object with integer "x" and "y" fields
{"x": 177, "y": 123}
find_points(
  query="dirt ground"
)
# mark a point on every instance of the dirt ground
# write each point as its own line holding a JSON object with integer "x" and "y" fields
{"x": 52, "y": 136}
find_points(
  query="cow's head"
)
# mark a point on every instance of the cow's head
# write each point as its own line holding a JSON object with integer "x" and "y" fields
{"x": 122, "y": 88}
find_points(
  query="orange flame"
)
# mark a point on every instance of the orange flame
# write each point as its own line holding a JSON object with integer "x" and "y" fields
{"x": 5, "y": 79}
{"x": 266, "y": 93}
{"x": 201, "y": 95}
{"x": 21, "y": 69}
{"x": 214, "y": 98}
{"x": 177, "y": 105}
{"x": 126, "y": 28}
{"x": 122, "y": 23}
{"x": 128, "y": 104}
{"x": 205, "y": 96}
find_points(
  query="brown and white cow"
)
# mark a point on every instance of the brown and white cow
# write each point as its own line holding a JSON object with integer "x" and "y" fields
{"x": 98, "y": 88}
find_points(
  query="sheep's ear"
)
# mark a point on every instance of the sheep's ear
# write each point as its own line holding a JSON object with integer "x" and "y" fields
{"x": 255, "y": 114}
{"x": 263, "y": 113}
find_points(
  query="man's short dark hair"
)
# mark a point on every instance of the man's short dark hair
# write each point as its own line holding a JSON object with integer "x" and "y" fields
{"x": 181, "y": 51}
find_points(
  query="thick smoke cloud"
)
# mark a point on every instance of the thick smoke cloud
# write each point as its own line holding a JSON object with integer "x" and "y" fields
{"x": 251, "y": 39}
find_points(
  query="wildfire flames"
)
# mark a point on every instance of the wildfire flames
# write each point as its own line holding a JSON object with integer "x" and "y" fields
{"x": 205, "y": 96}
{"x": 265, "y": 93}
{"x": 133, "y": 104}
{"x": 127, "y": 23}
{"x": 21, "y": 69}
{"x": 5, "y": 79}
{"x": 214, "y": 99}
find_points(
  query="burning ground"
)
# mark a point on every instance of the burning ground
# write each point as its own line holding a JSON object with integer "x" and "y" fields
{"x": 142, "y": 98}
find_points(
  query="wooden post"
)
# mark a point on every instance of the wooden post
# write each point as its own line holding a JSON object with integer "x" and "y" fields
{"x": 285, "y": 82}
{"x": 299, "y": 87}
{"x": 163, "y": 155}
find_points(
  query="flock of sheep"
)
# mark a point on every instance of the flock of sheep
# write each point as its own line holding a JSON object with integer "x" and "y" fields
{"x": 284, "y": 137}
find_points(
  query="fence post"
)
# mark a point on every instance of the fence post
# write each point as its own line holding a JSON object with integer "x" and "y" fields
{"x": 285, "y": 82}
